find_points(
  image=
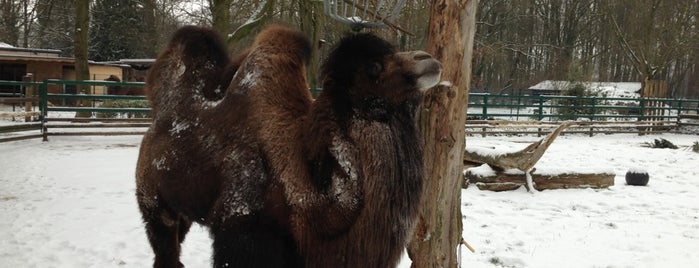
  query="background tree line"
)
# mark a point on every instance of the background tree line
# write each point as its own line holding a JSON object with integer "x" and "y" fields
{"x": 518, "y": 43}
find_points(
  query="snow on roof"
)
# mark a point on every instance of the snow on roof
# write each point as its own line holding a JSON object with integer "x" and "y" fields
{"x": 137, "y": 60}
{"x": 610, "y": 89}
{"x": 2, "y": 44}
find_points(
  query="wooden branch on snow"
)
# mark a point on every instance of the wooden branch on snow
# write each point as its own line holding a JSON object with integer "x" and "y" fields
{"x": 507, "y": 182}
{"x": 524, "y": 159}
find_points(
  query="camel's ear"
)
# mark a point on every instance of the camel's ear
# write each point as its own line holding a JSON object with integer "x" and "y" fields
{"x": 192, "y": 63}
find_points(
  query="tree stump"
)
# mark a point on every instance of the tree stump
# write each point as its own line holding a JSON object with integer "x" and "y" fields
{"x": 507, "y": 181}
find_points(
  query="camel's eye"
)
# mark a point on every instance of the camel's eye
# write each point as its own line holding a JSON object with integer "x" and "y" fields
{"x": 374, "y": 69}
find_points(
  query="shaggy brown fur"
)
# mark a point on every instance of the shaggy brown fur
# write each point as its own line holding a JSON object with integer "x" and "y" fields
{"x": 350, "y": 162}
{"x": 200, "y": 162}
{"x": 276, "y": 175}
{"x": 362, "y": 145}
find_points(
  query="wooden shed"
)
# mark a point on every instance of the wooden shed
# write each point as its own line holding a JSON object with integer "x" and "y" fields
{"x": 44, "y": 64}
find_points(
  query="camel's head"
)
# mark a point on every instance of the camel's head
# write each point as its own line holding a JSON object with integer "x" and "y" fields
{"x": 366, "y": 70}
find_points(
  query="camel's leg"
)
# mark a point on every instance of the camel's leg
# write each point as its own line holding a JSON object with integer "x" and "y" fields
{"x": 183, "y": 227}
{"x": 251, "y": 244}
{"x": 165, "y": 230}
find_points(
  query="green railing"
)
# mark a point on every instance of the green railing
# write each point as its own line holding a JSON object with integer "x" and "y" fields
{"x": 558, "y": 108}
{"x": 481, "y": 106}
{"x": 89, "y": 97}
{"x": 90, "y": 102}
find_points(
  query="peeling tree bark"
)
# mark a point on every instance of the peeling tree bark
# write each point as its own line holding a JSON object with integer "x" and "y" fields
{"x": 443, "y": 115}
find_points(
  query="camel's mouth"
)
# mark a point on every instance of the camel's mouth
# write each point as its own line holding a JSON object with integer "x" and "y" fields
{"x": 431, "y": 77}
{"x": 427, "y": 69}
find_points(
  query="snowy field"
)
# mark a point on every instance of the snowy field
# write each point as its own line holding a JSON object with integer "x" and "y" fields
{"x": 70, "y": 202}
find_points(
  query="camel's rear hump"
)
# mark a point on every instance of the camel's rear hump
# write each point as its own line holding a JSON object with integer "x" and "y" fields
{"x": 188, "y": 72}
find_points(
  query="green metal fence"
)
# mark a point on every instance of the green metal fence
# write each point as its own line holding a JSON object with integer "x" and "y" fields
{"x": 481, "y": 106}
{"x": 90, "y": 104}
{"x": 91, "y": 98}
{"x": 559, "y": 108}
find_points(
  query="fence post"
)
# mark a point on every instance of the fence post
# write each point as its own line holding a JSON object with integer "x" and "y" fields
{"x": 541, "y": 114}
{"x": 679, "y": 114}
{"x": 43, "y": 106}
{"x": 541, "y": 108}
{"x": 485, "y": 107}
{"x": 28, "y": 95}
{"x": 519, "y": 103}
{"x": 642, "y": 103}
{"x": 594, "y": 108}
{"x": 594, "y": 112}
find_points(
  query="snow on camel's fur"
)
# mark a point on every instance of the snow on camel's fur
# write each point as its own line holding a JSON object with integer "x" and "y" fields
{"x": 284, "y": 181}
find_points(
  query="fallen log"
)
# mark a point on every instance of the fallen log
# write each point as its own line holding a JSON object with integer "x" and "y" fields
{"x": 523, "y": 160}
{"x": 510, "y": 181}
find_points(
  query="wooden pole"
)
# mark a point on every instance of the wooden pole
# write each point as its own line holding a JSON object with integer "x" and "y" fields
{"x": 28, "y": 95}
{"x": 437, "y": 235}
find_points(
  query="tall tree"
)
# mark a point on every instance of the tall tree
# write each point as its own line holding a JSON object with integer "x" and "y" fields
{"x": 119, "y": 30}
{"x": 221, "y": 16}
{"x": 520, "y": 43}
{"x": 247, "y": 25}
{"x": 9, "y": 22}
{"x": 312, "y": 21}
{"x": 655, "y": 37}
{"x": 80, "y": 37}
{"x": 55, "y": 24}
{"x": 450, "y": 39}
{"x": 150, "y": 29}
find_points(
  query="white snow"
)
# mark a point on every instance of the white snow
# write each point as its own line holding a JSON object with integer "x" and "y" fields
{"x": 623, "y": 226}
{"x": 445, "y": 84}
{"x": 249, "y": 79}
{"x": 482, "y": 171}
{"x": 610, "y": 89}
{"x": 70, "y": 202}
{"x": 178, "y": 126}
{"x": 637, "y": 170}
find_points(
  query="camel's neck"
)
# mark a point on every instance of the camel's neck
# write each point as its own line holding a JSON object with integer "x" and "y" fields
{"x": 384, "y": 137}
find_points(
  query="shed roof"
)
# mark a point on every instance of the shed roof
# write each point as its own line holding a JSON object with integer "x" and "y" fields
{"x": 9, "y": 50}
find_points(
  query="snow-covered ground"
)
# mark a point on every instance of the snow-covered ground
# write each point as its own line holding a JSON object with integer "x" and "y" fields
{"x": 70, "y": 202}
{"x": 624, "y": 226}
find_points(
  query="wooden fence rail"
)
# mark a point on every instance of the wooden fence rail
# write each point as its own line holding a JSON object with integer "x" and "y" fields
{"x": 540, "y": 128}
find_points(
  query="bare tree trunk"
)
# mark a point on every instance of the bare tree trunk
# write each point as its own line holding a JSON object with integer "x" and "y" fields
{"x": 9, "y": 18}
{"x": 221, "y": 13}
{"x": 312, "y": 20}
{"x": 257, "y": 20}
{"x": 149, "y": 7}
{"x": 80, "y": 41}
{"x": 450, "y": 39}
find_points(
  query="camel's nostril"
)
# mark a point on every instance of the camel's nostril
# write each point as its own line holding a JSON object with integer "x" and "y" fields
{"x": 422, "y": 56}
